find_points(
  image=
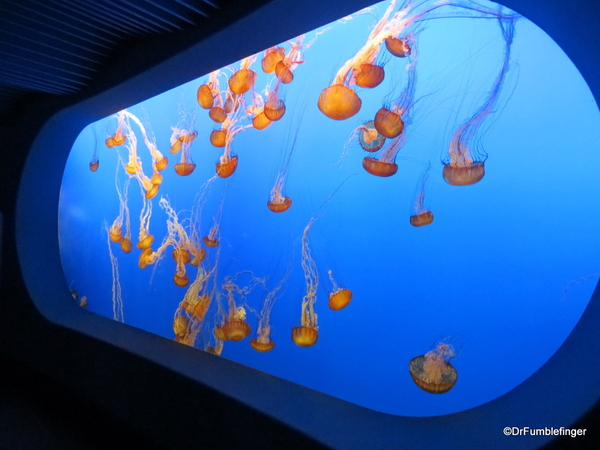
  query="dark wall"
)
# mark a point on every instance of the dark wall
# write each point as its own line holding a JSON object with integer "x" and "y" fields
{"x": 138, "y": 390}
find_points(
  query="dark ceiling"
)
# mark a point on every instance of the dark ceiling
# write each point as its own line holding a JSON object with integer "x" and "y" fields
{"x": 62, "y": 47}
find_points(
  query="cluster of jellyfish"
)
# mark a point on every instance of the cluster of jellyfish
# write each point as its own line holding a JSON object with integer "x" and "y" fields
{"x": 232, "y": 101}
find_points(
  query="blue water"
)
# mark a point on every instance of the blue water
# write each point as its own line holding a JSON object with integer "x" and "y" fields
{"x": 490, "y": 272}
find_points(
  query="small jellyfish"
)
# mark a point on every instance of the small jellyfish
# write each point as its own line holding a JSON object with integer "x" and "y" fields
{"x": 263, "y": 342}
{"x": 278, "y": 202}
{"x": 422, "y": 216}
{"x": 399, "y": 47}
{"x": 180, "y": 325}
{"x": 433, "y": 372}
{"x": 369, "y": 138}
{"x": 339, "y": 297}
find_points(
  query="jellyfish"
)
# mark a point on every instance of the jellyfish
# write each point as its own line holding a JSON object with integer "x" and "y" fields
{"x": 284, "y": 67}
{"x": 196, "y": 302}
{"x": 236, "y": 328}
{"x": 339, "y": 297}
{"x": 119, "y": 137}
{"x": 272, "y": 56}
{"x": 243, "y": 79}
{"x": 117, "y": 298}
{"x": 465, "y": 164}
{"x": 180, "y": 325}
{"x": 212, "y": 238}
{"x": 95, "y": 162}
{"x": 433, "y": 372}
{"x": 278, "y": 202}
{"x": 262, "y": 342}
{"x": 307, "y": 333}
{"x": 422, "y": 216}
{"x": 182, "y": 137}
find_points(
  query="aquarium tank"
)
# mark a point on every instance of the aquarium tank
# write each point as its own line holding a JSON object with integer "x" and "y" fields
{"x": 397, "y": 209}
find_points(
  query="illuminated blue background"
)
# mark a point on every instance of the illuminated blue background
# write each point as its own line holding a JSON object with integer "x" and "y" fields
{"x": 490, "y": 271}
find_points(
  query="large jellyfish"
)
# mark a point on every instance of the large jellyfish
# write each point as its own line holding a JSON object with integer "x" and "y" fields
{"x": 433, "y": 372}
{"x": 466, "y": 159}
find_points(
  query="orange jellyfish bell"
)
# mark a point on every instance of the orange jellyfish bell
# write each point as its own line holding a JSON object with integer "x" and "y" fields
{"x": 220, "y": 334}
{"x": 198, "y": 255}
{"x": 181, "y": 255}
{"x": 217, "y": 114}
{"x": 145, "y": 258}
{"x": 125, "y": 245}
{"x": 210, "y": 242}
{"x": 339, "y": 102}
{"x": 176, "y": 147}
{"x": 188, "y": 138}
{"x": 115, "y": 233}
{"x": 280, "y": 206}
{"x": 284, "y": 73}
{"x": 242, "y": 81}
{"x": 180, "y": 325}
{"x": 181, "y": 280}
{"x": 205, "y": 96}
{"x": 218, "y": 138}
{"x": 379, "y": 168}
{"x": 119, "y": 138}
{"x": 340, "y": 299}
{"x": 236, "y": 330}
{"x": 271, "y": 58}
{"x": 156, "y": 178}
{"x": 110, "y": 142}
{"x": 161, "y": 164}
{"x": 145, "y": 242}
{"x": 261, "y": 121}
{"x": 151, "y": 193}
{"x": 398, "y": 47}
{"x": 388, "y": 123}
{"x": 369, "y": 75}
{"x": 432, "y": 372}
{"x": 227, "y": 168}
{"x": 274, "y": 109}
{"x": 304, "y": 336}
{"x": 463, "y": 176}
{"x": 421, "y": 219}
{"x": 184, "y": 169}
{"x": 262, "y": 347}
{"x": 94, "y": 165}
{"x": 131, "y": 168}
